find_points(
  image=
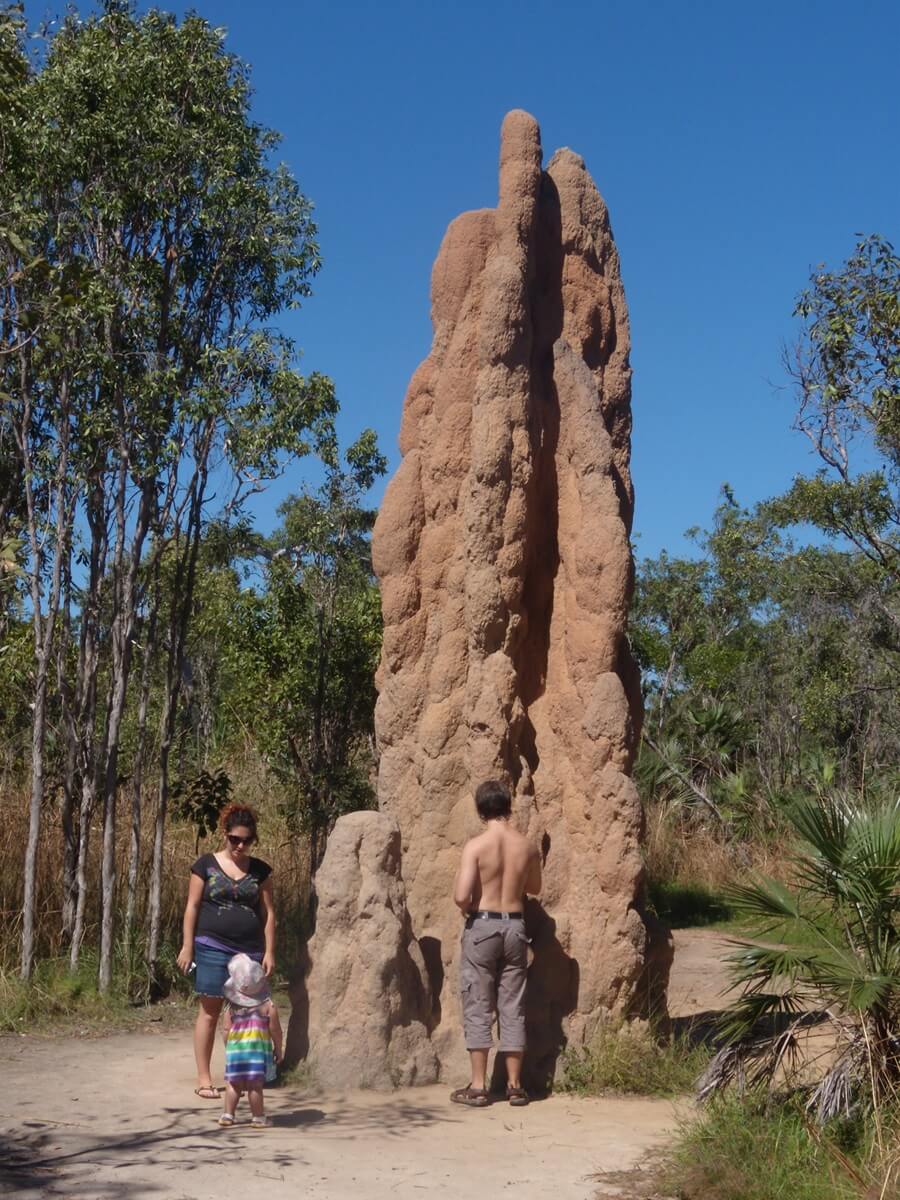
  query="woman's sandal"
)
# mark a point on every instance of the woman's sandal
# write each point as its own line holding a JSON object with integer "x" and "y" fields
{"x": 260, "y": 1123}
{"x": 226, "y": 1120}
{"x": 472, "y": 1097}
{"x": 208, "y": 1092}
{"x": 517, "y": 1096}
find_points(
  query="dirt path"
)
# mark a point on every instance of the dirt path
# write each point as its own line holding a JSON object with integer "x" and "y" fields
{"x": 116, "y": 1119}
{"x": 699, "y": 979}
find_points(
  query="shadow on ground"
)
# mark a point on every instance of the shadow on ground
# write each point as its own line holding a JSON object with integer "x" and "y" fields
{"x": 50, "y": 1158}
{"x": 31, "y": 1166}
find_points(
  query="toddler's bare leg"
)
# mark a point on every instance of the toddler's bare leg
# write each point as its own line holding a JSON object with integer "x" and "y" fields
{"x": 232, "y": 1095}
{"x": 257, "y": 1102}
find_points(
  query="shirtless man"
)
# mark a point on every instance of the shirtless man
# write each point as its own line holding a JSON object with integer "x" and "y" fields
{"x": 497, "y": 868}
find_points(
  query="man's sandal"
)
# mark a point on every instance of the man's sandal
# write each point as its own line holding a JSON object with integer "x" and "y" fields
{"x": 208, "y": 1092}
{"x": 472, "y": 1097}
{"x": 517, "y": 1096}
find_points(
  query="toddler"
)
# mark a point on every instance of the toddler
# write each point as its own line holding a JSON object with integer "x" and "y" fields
{"x": 253, "y": 1038}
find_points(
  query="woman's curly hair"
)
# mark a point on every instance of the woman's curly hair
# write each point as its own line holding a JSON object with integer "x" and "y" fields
{"x": 233, "y": 815}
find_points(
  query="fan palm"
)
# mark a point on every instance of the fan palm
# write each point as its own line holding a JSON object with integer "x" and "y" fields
{"x": 826, "y": 949}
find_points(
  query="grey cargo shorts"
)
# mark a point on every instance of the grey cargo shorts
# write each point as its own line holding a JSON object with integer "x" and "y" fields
{"x": 492, "y": 973}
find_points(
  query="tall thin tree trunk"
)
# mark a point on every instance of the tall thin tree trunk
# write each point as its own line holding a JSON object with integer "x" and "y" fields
{"x": 34, "y": 823}
{"x": 44, "y": 633}
{"x": 123, "y": 634}
{"x": 88, "y": 663}
{"x": 159, "y": 833}
{"x": 137, "y": 780}
{"x": 67, "y": 813}
{"x": 182, "y": 600}
{"x": 85, "y": 816}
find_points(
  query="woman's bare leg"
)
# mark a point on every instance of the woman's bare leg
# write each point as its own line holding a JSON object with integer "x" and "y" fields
{"x": 205, "y": 1036}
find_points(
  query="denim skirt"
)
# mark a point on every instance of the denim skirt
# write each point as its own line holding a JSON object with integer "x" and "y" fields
{"x": 212, "y": 968}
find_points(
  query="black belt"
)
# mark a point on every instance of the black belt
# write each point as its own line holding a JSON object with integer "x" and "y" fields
{"x": 485, "y": 914}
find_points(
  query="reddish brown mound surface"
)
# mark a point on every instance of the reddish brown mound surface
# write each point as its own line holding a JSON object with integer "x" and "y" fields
{"x": 503, "y": 552}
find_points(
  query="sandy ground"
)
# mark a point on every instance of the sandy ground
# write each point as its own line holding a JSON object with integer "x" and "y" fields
{"x": 116, "y": 1119}
{"x": 698, "y": 983}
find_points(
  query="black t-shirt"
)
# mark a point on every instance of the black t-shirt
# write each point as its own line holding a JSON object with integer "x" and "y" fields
{"x": 230, "y": 910}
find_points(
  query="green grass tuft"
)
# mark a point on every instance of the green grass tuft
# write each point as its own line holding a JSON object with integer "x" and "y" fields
{"x": 628, "y": 1058}
{"x": 739, "y": 1149}
{"x": 57, "y": 1000}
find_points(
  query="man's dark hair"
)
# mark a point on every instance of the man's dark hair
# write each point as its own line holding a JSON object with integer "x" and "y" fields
{"x": 492, "y": 800}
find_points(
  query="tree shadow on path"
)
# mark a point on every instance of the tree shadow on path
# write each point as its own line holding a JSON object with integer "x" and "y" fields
{"x": 47, "y": 1158}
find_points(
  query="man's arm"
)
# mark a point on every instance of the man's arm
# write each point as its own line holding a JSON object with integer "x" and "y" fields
{"x": 533, "y": 879}
{"x": 466, "y": 878}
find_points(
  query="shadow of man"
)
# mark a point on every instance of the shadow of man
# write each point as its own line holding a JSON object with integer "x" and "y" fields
{"x": 296, "y": 1041}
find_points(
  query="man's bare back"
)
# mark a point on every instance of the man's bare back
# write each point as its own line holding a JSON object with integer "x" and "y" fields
{"x": 497, "y": 869}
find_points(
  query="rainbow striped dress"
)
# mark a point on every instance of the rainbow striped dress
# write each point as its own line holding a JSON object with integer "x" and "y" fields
{"x": 248, "y": 1051}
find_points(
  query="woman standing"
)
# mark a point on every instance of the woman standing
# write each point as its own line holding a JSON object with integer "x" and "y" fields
{"x": 229, "y": 911}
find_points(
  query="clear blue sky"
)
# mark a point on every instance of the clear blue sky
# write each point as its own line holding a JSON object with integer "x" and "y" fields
{"x": 736, "y": 145}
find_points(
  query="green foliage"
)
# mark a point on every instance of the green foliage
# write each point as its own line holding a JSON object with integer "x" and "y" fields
{"x": 199, "y": 801}
{"x": 145, "y": 257}
{"x": 628, "y": 1058}
{"x": 742, "y": 1150}
{"x": 799, "y": 642}
{"x": 827, "y": 947}
{"x": 177, "y": 256}
{"x": 303, "y": 651}
{"x": 848, "y": 361}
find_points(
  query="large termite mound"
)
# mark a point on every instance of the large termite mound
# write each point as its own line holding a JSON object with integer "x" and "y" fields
{"x": 502, "y": 548}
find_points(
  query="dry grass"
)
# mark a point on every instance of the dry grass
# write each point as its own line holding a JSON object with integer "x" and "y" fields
{"x": 690, "y": 864}
{"x": 285, "y": 851}
{"x": 627, "y": 1058}
{"x": 686, "y": 851}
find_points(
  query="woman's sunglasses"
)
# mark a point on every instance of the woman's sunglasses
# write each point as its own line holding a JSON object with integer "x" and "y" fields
{"x": 239, "y": 841}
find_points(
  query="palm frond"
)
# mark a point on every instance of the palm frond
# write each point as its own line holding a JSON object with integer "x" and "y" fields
{"x": 765, "y": 899}
{"x": 756, "y": 966}
{"x": 848, "y": 982}
{"x": 757, "y": 1060}
{"x": 837, "y": 1092}
{"x": 750, "y": 1011}
{"x": 823, "y": 825}
{"x": 725, "y": 1068}
{"x": 829, "y": 946}
{"x": 873, "y": 858}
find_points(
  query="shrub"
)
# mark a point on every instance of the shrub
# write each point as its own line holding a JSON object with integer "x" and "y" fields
{"x": 740, "y": 1150}
{"x": 627, "y": 1057}
{"x": 825, "y": 950}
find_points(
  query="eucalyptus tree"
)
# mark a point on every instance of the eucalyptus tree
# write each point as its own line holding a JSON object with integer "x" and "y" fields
{"x": 14, "y": 76}
{"x": 846, "y": 370}
{"x": 306, "y": 648}
{"x": 37, "y": 496}
{"x": 185, "y": 242}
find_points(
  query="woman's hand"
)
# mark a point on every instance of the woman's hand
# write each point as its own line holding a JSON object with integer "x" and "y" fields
{"x": 268, "y": 963}
{"x": 185, "y": 958}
